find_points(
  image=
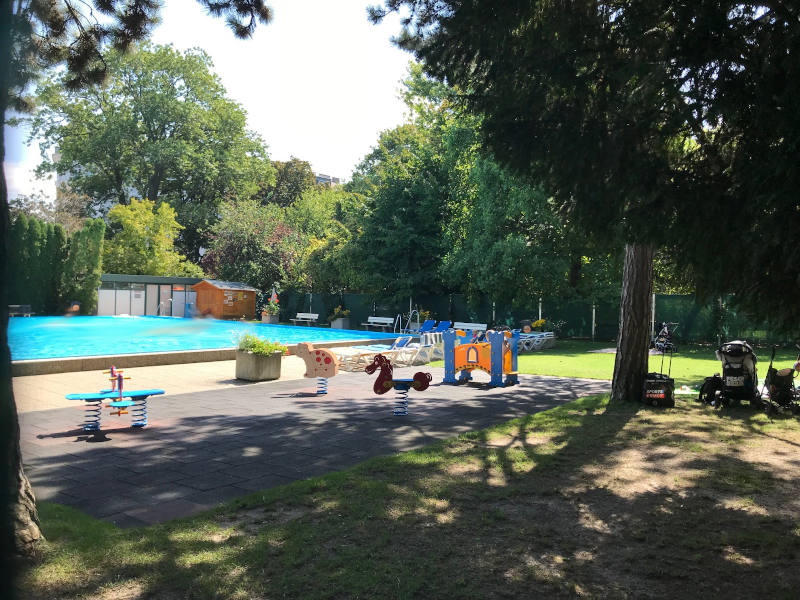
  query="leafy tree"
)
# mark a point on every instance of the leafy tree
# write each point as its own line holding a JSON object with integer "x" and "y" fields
{"x": 17, "y": 259}
{"x": 37, "y": 255}
{"x": 516, "y": 247}
{"x": 160, "y": 128}
{"x": 34, "y": 35}
{"x": 330, "y": 262}
{"x": 312, "y": 212}
{"x": 35, "y": 240}
{"x": 83, "y": 268}
{"x": 55, "y": 255}
{"x": 292, "y": 178}
{"x": 402, "y": 242}
{"x": 144, "y": 241}
{"x": 592, "y": 104}
{"x": 68, "y": 210}
{"x": 252, "y": 243}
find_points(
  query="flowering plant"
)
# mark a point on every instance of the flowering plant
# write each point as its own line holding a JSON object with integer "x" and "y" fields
{"x": 538, "y": 324}
{"x": 271, "y": 307}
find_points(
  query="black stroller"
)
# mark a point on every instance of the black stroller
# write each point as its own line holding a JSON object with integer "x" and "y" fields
{"x": 782, "y": 395}
{"x": 739, "y": 379}
{"x": 662, "y": 341}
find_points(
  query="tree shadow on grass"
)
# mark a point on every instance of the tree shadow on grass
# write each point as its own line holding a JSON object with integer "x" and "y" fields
{"x": 544, "y": 505}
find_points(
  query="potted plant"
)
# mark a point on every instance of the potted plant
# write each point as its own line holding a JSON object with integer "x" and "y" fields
{"x": 270, "y": 312}
{"x": 258, "y": 359}
{"x": 339, "y": 318}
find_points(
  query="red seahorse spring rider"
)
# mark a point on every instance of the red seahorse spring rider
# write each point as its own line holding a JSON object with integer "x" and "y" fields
{"x": 385, "y": 382}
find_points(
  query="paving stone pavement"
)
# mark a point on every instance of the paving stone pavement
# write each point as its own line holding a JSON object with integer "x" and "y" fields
{"x": 204, "y": 448}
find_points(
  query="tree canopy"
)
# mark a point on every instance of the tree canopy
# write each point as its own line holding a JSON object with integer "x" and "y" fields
{"x": 143, "y": 241}
{"x": 292, "y": 178}
{"x": 670, "y": 122}
{"x": 254, "y": 244}
{"x": 161, "y": 128}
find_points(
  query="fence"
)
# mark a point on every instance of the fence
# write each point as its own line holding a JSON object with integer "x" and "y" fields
{"x": 569, "y": 317}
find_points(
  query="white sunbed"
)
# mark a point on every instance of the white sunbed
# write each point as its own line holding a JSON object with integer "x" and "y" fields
{"x": 539, "y": 340}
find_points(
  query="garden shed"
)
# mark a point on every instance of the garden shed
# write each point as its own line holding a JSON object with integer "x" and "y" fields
{"x": 225, "y": 299}
{"x": 121, "y": 294}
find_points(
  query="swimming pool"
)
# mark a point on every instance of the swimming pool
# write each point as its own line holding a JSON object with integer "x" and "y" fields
{"x": 61, "y": 337}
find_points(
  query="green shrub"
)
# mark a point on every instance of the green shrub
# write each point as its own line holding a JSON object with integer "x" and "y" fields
{"x": 250, "y": 342}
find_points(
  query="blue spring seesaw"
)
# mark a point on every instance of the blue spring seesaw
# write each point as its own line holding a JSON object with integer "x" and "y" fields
{"x": 121, "y": 400}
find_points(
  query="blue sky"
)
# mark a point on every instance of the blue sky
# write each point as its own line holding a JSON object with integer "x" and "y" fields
{"x": 319, "y": 83}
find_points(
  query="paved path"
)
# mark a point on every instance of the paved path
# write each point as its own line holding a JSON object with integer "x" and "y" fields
{"x": 204, "y": 448}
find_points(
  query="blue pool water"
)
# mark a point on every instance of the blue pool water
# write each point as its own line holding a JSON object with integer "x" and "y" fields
{"x": 59, "y": 337}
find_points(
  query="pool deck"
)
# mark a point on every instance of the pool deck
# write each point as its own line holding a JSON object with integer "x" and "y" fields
{"x": 212, "y": 439}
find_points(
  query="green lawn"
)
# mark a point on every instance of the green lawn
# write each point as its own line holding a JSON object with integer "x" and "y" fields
{"x": 689, "y": 367}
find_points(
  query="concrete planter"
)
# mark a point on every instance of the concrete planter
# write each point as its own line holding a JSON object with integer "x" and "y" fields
{"x": 270, "y": 319}
{"x": 258, "y": 367}
{"x": 341, "y": 323}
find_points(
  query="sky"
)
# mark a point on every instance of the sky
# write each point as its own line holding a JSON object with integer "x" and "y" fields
{"x": 318, "y": 83}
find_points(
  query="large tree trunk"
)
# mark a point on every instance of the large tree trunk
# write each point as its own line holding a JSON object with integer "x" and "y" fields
{"x": 630, "y": 366}
{"x": 20, "y": 523}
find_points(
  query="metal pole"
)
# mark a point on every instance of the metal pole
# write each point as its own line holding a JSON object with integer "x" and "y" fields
{"x": 493, "y": 318}
{"x": 540, "y": 307}
{"x": 594, "y": 320}
{"x": 653, "y": 316}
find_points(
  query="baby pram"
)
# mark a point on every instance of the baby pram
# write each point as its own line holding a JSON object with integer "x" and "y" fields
{"x": 779, "y": 384}
{"x": 739, "y": 379}
{"x": 662, "y": 340}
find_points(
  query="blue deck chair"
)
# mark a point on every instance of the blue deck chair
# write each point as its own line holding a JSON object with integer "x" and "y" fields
{"x": 424, "y": 328}
{"x": 442, "y": 326}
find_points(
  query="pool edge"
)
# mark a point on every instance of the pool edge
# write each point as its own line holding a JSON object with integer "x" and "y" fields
{"x": 47, "y": 366}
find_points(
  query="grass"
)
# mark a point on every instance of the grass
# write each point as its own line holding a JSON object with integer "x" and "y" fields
{"x": 571, "y": 358}
{"x": 588, "y": 499}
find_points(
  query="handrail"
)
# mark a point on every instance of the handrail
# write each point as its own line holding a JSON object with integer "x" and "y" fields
{"x": 410, "y": 315}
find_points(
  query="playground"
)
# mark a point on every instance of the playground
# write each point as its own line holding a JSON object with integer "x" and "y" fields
{"x": 535, "y": 488}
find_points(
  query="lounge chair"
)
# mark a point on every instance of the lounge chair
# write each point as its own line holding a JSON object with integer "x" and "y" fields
{"x": 442, "y": 326}
{"x": 537, "y": 340}
{"x": 427, "y": 326}
{"x": 355, "y": 358}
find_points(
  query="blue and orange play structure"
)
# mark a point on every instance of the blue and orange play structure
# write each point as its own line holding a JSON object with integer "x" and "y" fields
{"x": 497, "y": 356}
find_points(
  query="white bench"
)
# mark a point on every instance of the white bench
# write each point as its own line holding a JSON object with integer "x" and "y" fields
{"x": 19, "y": 310}
{"x": 470, "y": 326}
{"x": 383, "y": 322}
{"x": 307, "y": 318}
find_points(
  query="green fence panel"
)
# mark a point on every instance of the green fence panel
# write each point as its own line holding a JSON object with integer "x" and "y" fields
{"x": 606, "y": 321}
{"x": 569, "y": 318}
{"x": 698, "y": 322}
{"x": 695, "y": 321}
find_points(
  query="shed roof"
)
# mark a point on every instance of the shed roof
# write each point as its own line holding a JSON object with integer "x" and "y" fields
{"x": 123, "y": 278}
{"x": 230, "y": 285}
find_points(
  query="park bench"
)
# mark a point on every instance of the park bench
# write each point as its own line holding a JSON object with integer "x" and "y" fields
{"x": 19, "y": 310}
{"x": 383, "y": 322}
{"x": 470, "y": 326}
{"x": 307, "y": 318}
